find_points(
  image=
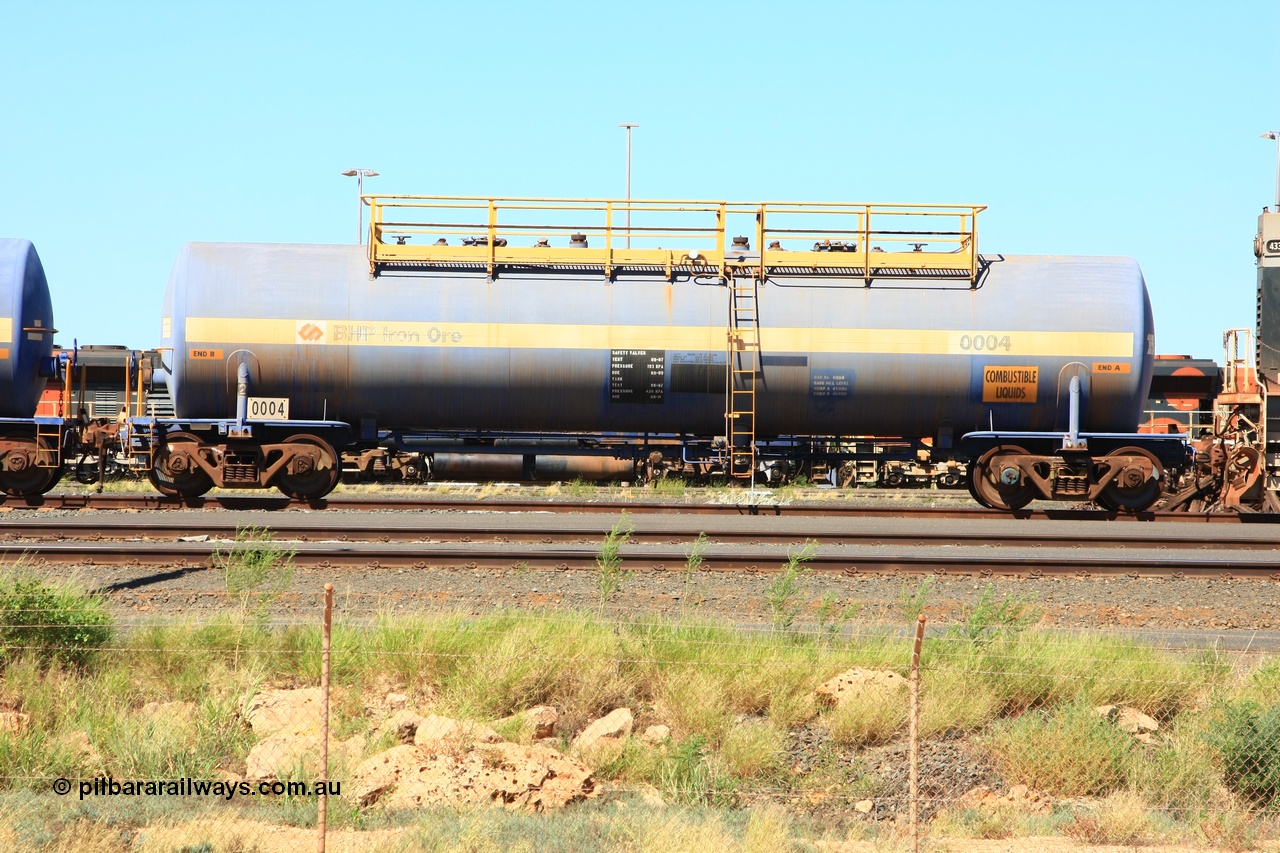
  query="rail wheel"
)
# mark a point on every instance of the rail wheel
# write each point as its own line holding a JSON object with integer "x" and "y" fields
{"x": 987, "y": 484}
{"x": 175, "y": 472}
{"x": 23, "y": 479}
{"x": 1135, "y": 497}
{"x": 317, "y": 480}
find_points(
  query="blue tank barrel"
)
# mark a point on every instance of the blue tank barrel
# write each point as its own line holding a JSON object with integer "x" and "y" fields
{"x": 555, "y": 351}
{"x": 26, "y": 329}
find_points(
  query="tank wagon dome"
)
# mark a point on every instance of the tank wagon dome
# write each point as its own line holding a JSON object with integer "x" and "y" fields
{"x": 555, "y": 351}
{"x": 26, "y": 328}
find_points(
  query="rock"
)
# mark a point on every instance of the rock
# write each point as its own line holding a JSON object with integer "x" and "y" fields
{"x": 183, "y": 711}
{"x": 295, "y": 711}
{"x": 1019, "y": 796}
{"x": 516, "y": 776}
{"x": 285, "y": 755}
{"x": 403, "y": 723}
{"x": 656, "y": 734}
{"x": 863, "y": 806}
{"x": 611, "y": 729}
{"x": 14, "y": 723}
{"x": 1128, "y": 719}
{"x": 859, "y": 682}
{"x": 395, "y": 700}
{"x": 1133, "y": 721}
{"x": 536, "y": 723}
{"x": 456, "y": 734}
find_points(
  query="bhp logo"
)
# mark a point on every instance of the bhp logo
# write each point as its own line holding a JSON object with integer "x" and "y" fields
{"x": 310, "y": 333}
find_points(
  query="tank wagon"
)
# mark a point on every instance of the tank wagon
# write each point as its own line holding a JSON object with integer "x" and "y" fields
{"x": 30, "y": 460}
{"x": 469, "y": 325}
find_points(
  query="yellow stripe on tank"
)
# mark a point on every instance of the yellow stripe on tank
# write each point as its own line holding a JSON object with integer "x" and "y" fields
{"x": 988, "y": 342}
{"x": 6, "y": 330}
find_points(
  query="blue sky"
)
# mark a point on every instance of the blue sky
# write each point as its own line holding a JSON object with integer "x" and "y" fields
{"x": 1117, "y": 128}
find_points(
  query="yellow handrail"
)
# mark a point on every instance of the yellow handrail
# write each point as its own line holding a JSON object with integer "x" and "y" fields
{"x": 868, "y": 239}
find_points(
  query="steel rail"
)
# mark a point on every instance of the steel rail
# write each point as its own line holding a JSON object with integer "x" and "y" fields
{"x": 963, "y": 560}
{"x": 447, "y": 504}
{"x": 436, "y": 529}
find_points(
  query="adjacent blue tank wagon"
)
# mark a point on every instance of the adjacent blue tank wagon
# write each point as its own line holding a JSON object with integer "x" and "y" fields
{"x": 30, "y": 463}
{"x": 26, "y": 328}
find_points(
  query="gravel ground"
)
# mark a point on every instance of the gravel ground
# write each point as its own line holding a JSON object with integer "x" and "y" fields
{"x": 1152, "y": 604}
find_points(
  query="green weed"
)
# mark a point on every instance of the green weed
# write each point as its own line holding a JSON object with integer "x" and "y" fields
{"x": 833, "y": 615}
{"x": 1069, "y": 752}
{"x": 669, "y": 487}
{"x": 57, "y": 622}
{"x": 692, "y": 565}
{"x": 913, "y": 600}
{"x": 989, "y": 618}
{"x": 1247, "y": 740}
{"x": 610, "y": 575}
{"x": 256, "y": 570}
{"x": 782, "y": 598}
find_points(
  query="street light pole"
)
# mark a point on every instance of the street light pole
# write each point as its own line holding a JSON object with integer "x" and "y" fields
{"x": 1275, "y": 134}
{"x": 360, "y": 175}
{"x": 628, "y": 126}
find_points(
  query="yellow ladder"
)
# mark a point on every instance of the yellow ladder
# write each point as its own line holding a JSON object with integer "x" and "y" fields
{"x": 49, "y": 445}
{"x": 744, "y": 366}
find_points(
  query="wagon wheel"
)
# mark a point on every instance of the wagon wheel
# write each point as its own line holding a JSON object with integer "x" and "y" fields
{"x": 985, "y": 484}
{"x": 26, "y": 480}
{"x": 1120, "y": 498}
{"x": 23, "y": 479}
{"x": 318, "y": 480}
{"x": 175, "y": 474}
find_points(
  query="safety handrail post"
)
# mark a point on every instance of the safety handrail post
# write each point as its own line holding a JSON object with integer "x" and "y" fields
{"x": 493, "y": 234}
{"x": 375, "y": 233}
{"x": 760, "y": 234}
{"x": 973, "y": 250}
{"x": 721, "y": 215}
{"x": 865, "y": 216}
{"x": 608, "y": 240}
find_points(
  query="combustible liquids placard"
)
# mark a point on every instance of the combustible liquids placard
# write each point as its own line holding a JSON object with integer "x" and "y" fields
{"x": 1004, "y": 383}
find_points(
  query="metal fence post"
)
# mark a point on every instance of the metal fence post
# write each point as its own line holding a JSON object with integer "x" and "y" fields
{"x": 913, "y": 738}
{"x": 322, "y": 817}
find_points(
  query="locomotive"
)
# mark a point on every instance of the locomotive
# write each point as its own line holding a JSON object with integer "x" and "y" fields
{"x": 501, "y": 326}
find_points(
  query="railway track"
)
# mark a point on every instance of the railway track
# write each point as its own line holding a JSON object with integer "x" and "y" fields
{"x": 370, "y": 555}
{"x": 505, "y": 540}
{"x": 763, "y": 508}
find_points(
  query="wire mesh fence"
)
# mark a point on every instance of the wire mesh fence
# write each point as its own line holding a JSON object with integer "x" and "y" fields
{"x": 502, "y": 729}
